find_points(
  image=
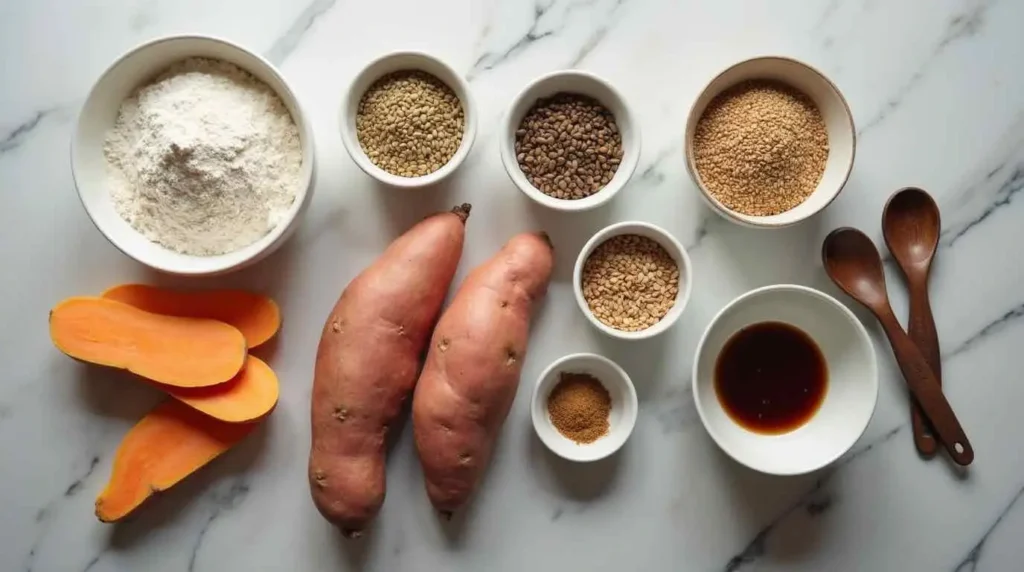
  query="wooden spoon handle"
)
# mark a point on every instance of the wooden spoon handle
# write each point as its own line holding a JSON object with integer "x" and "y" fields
{"x": 921, "y": 329}
{"x": 925, "y": 389}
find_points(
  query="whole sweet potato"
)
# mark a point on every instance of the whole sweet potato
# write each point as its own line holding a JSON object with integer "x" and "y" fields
{"x": 367, "y": 363}
{"x": 472, "y": 370}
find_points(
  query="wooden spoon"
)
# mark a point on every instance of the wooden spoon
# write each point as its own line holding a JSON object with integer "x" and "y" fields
{"x": 911, "y": 227}
{"x": 853, "y": 263}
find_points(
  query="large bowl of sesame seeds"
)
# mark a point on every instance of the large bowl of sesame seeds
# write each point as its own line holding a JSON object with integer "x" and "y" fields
{"x": 632, "y": 280}
{"x": 408, "y": 119}
{"x": 770, "y": 142}
{"x": 569, "y": 141}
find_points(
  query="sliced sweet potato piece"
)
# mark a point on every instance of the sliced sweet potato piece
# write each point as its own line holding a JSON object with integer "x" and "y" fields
{"x": 167, "y": 445}
{"x": 255, "y": 315}
{"x": 183, "y": 352}
{"x": 249, "y": 396}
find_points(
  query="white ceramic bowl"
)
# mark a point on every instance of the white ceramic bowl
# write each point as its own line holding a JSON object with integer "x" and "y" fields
{"x": 583, "y": 83}
{"x": 401, "y": 61}
{"x": 99, "y": 113}
{"x": 621, "y": 419}
{"x": 842, "y": 137}
{"x": 674, "y": 249}
{"x": 850, "y": 396}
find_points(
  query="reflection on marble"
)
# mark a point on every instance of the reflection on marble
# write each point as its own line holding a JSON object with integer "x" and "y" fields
{"x": 938, "y": 97}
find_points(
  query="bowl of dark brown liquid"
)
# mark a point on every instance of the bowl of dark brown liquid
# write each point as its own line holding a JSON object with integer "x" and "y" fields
{"x": 785, "y": 379}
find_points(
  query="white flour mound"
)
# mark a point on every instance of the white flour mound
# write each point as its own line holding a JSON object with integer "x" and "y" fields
{"x": 205, "y": 159}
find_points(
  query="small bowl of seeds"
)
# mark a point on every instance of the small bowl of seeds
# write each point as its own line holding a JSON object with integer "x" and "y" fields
{"x": 584, "y": 407}
{"x": 770, "y": 142}
{"x": 632, "y": 280}
{"x": 570, "y": 141}
{"x": 408, "y": 119}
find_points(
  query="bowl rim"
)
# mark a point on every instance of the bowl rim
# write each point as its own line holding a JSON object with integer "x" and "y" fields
{"x": 304, "y": 193}
{"x": 630, "y": 155}
{"x": 751, "y": 221}
{"x": 350, "y": 140}
{"x": 683, "y": 262}
{"x": 862, "y": 335}
{"x": 632, "y": 407}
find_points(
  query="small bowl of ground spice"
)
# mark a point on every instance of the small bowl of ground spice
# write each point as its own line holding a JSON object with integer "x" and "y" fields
{"x": 584, "y": 407}
{"x": 770, "y": 142}
{"x": 408, "y": 119}
{"x": 570, "y": 142}
{"x": 632, "y": 280}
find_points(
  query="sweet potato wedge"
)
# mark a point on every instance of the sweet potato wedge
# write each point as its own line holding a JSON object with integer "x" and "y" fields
{"x": 182, "y": 352}
{"x": 167, "y": 445}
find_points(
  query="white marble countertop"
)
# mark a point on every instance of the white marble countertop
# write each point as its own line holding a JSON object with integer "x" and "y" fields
{"x": 937, "y": 91}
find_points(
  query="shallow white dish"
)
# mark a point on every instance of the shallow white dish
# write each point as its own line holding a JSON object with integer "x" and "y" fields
{"x": 88, "y": 165}
{"x": 622, "y": 417}
{"x": 674, "y": 249}
{"x": 849, "y": 400}
{"x": 584, "y": 83}
{"x": 399, "y": 61}
{"x": 842, "y": 137}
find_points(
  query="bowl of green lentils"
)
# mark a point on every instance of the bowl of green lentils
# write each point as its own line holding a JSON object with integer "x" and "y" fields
{"x": 408, "y": 119}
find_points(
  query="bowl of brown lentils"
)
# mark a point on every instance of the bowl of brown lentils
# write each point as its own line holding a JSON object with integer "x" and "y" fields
{"x": 770, "y": 142}
{"x": 408, "y": 119}
{"x": 632, "y": 280}
{"x": 570, "y": 142}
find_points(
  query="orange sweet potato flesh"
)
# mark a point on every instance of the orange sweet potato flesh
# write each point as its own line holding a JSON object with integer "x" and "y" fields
{"x": 255, "y": 315}
{"x": 472, "y": 370}
{"x": 182, "y": 352}
{"x": 167, "y": 445}
{"x": 249, "y": 396}
{"x": 367, "y": 362}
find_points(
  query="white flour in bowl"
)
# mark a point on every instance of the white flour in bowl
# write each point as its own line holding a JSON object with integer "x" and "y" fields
{"x": 203, "y": 160}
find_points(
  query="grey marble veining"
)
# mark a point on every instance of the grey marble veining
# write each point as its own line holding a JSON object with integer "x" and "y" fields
{"x": 937, "y": 92}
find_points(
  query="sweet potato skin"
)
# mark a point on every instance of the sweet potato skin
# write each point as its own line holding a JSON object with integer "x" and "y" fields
{"x": 472, "y": 370}
{"x": 367, "y": 363}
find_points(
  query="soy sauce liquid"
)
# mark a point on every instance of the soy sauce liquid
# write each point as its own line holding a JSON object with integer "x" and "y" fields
{"x": 771, "y": 377}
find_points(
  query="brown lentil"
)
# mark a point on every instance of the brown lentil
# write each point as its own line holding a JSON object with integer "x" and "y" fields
{"x": 579, "y": 407}
{"x": 760, "y": 147}
{"x": 630, "y": 282}
{"x": 568, "y": 146}
{"x": 409, "y": 123}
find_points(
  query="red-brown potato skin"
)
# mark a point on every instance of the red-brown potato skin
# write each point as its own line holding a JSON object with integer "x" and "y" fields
{"x": 367, "y": 364}
{"x": 472, "y": 370}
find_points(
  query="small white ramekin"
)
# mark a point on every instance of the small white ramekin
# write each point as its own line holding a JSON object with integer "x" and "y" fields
{"x": 583, "y": 83}
{"x": 622, "y": 417}
{"x": 99, "y": 113}
{"x": 842, "y": 137}
{"x": 671, "y": 246}
{"x": 405, "y": 61}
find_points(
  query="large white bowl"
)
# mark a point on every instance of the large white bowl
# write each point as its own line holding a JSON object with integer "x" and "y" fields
{"x": 622, "y": 417}
{"x": 671, "y": 246}
{"x": 583, "y": 83}
{"x": 849, "y": 400}
{"x": 842, "y": 137}
{"x": 401, "y": 61}
{"x": 133, "y": 69}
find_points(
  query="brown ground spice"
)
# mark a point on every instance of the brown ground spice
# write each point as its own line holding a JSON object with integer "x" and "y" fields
{"x": 579, "y": 407}
{"x": 760, "y": 147}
